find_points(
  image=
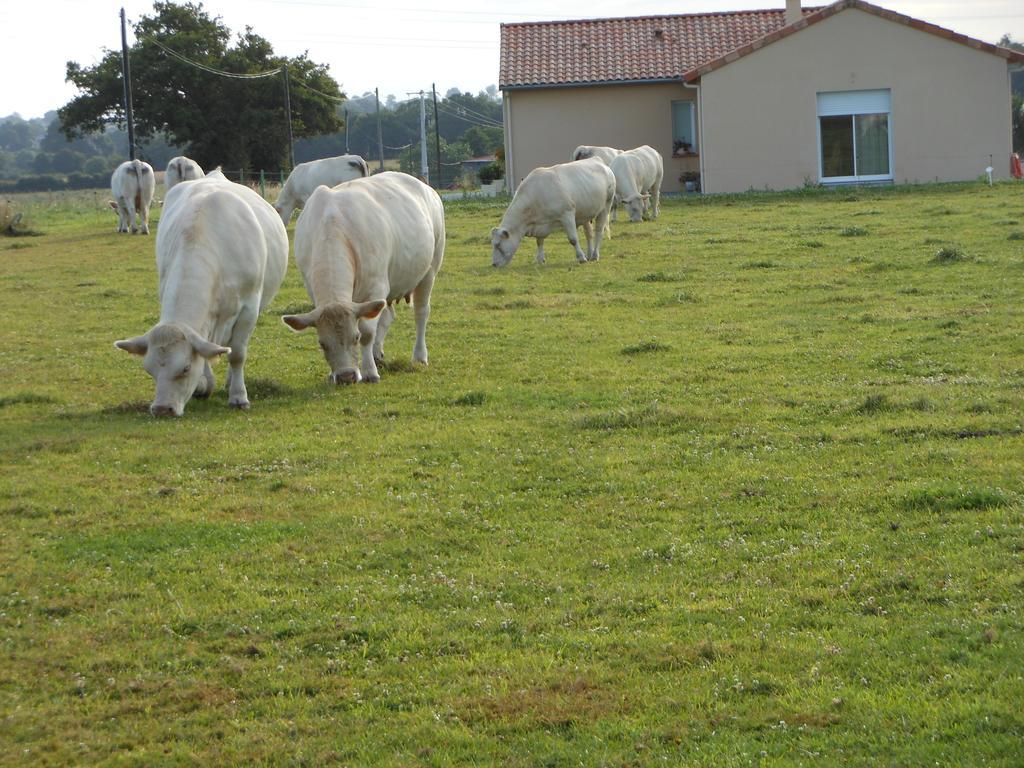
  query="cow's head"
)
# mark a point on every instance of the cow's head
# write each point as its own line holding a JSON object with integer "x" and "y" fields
{"x": 284, "y": 211}
{"x": 503, "y": 246}
{"x": 175, "y": 356}
{"x": 635, "y": 206}
{"x": 341, "y": 331}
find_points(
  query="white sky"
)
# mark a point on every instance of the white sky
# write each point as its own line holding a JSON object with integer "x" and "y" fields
{"x": 395, "y": 45}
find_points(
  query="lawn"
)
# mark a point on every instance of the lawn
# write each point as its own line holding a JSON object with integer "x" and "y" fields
{"x": 747, "y": 491}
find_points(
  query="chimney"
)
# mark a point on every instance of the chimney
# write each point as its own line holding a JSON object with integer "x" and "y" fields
{"x": 793, "y": 12}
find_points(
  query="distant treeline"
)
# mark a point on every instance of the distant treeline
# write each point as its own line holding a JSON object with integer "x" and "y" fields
{"x": 35, "y": 155}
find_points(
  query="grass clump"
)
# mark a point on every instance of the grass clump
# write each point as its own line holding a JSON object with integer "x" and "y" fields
{"x": 949, "y": 255}
{"x": 645, "y": 347}
{"x": 853, "y": 232}
{"x": 876, "y": 403}
{"x": 656, "y": 277}
{"x": 947, "y": 499}
{"x": 470, "y": 398}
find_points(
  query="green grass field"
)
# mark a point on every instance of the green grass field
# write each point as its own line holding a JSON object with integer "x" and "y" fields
{"x": 747, "y": 491}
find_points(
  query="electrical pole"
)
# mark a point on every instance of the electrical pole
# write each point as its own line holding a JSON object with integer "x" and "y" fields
{"x": 346, "y": 130}
{"x": 380, "y": 135}
{"x": 126, "y": 76}
{"x": 424, "y": 168}
{"x": 288, "y": 118}
{"x": 437, "y": 137}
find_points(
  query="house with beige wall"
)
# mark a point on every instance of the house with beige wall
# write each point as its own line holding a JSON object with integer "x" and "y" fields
{"x": 772, "y": 99}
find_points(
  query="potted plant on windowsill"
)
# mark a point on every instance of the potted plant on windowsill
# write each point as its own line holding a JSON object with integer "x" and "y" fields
{"x": 682, "y": 148}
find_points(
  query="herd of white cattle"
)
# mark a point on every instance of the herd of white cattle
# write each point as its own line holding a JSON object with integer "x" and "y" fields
{"x": 362, "y": 243}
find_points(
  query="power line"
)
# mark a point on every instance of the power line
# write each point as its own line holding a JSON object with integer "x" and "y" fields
{"x": 433, "y": 11}
{"x": 308, "y": 87}
{"x": 211, "y": 70}
{"x": 472, "y": 121}
{"x": 472, "y": 112}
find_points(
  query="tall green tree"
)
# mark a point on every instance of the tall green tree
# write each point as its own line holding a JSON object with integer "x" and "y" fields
{"x": 231, "y": 121}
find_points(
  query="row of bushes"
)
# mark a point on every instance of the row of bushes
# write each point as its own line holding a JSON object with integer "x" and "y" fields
{"x": 54, "y": 182}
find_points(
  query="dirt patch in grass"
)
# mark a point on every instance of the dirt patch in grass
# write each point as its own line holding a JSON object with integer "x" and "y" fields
{"x": 557, "y": 704}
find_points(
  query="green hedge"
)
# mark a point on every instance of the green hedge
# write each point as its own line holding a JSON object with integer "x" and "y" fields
{"x": 55, "y": 182}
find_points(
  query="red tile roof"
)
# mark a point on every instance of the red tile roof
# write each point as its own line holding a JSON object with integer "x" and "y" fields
{"x": 644, "y": 48}
{"x": 821, "y": 14}
{"x": 664, "y": 48}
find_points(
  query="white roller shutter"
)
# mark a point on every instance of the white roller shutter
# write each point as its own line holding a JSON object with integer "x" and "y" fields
{"x": 854, "y": 102}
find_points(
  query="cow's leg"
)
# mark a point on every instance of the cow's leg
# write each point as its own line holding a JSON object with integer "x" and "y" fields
{"x": 205, "y": 387}
{"x": 601, "y": 225}
{"x": 540, "y": 250}
{"x": 569, "y": 224}
{"x": 129, "y": 207}
{"x": 656, "y": 199}
{"x": 122, "y": 218}
{"x": 238, "y": 396}
{"x": 144, "y": 215}
{"x": 421, "y": 307}
{"x": 384, "y": 321}
{"x": 588, "y": 232}
{"x": 367, "y": 334}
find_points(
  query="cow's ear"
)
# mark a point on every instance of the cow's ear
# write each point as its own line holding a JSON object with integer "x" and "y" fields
{"x": 112, "y": 204}
{"x": 136, "y": 346}
{"x": 502, "y": 233}
{"x": 208, "y": 349}
{"x": 301, "y": 322}
{"x": 369, "y": 309}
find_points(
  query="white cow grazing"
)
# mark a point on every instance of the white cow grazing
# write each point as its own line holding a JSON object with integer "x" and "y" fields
{"x": 563, "y": 196}
{"x": 132, "y": 183}
{"x": 638, "y": 174}
{"x": 361, "y": 247}
{"x": 221, "y": 254}
{"x": 606, "y": 154}
{"x": 181, "y": 169}
{"x": 305, "y": 177}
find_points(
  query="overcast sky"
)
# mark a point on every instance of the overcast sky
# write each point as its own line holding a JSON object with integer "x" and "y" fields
{"x": 394, "y": 45}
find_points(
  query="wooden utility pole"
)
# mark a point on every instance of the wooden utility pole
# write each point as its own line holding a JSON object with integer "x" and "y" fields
{"x": 424, "y": 168}
{"x": 126, "y": 76}
{"x": 288, "y": 118}
{"x": 346, "y": 130}
{"x": 380, "y": 134}
{"x": 437, "y": 137}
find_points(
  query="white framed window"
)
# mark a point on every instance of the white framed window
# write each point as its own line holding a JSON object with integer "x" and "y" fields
{"x": 855, "y": 136}
{"x": 684, "y": 128}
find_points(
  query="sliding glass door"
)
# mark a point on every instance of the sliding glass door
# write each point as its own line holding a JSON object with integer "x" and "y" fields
{"x": 854, "y": 136}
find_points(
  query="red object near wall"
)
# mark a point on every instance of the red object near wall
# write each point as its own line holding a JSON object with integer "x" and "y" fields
{"x": 1015, "y": 168}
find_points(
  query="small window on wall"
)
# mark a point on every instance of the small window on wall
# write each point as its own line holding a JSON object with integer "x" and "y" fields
{"x": 854, "y": 136}
{"x": 684, "y": 129}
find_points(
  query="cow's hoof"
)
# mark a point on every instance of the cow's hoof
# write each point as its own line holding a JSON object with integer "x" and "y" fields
{"x": 595, "y": 257}
{"x": 242, "y": 405}
{"x": 371, "y": 379}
